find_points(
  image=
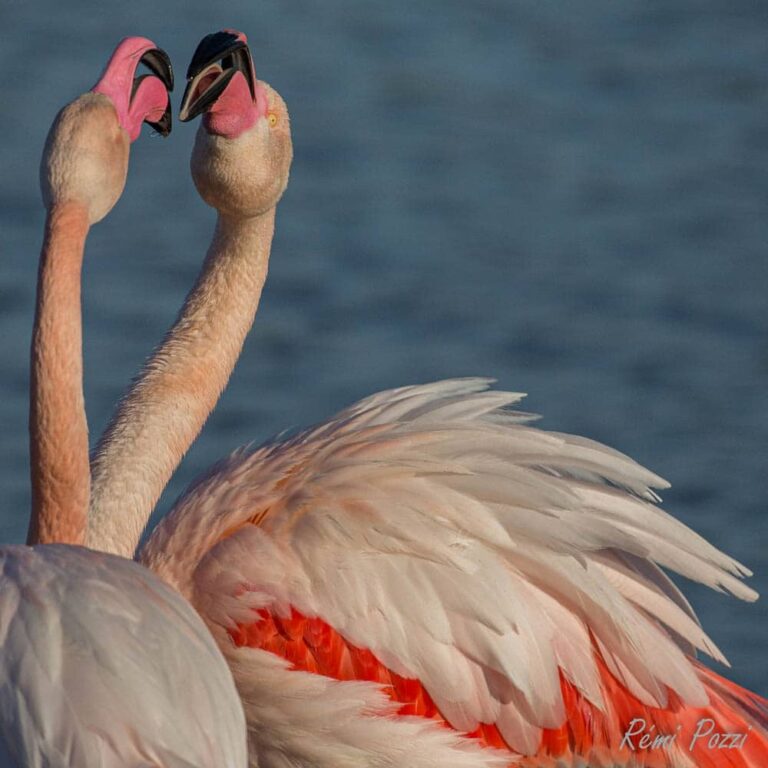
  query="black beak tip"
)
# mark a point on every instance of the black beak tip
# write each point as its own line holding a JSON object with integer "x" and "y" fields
{"x": 211, "y": 48}
{"x": 231, "y": 49}
{"x": 165, "y": 124}
{"x": 159, "y": 63}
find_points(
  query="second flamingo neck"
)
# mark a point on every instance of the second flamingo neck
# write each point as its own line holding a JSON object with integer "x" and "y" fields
{"x": 166, "y": 407}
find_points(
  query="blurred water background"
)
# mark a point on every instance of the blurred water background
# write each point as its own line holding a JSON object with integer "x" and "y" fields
{"x": 572, "y": 198}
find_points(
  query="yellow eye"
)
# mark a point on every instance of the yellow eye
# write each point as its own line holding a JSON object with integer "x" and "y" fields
{"x": 272, "y": 117}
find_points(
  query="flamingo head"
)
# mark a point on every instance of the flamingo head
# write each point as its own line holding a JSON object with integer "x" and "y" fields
{"x": 136, "y": 98}
{"x": 243, "y": 152}
{"x": 85, "y": 160}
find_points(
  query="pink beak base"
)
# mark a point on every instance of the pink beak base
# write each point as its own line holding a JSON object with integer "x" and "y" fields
{"x": 116, "y": 82}
{"x": 234, "y": 112}
{"x": 236, "y": 109}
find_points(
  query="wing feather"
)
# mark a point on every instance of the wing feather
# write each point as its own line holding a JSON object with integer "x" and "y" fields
{"x": 463, "y": 547}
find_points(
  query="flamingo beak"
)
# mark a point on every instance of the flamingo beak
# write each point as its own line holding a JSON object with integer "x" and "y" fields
{"x": 159, "y": 64}
{"x": 138, "y": 98}
{"x": 217, "y": 59}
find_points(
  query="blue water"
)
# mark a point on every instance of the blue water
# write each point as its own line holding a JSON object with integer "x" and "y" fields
{"x": 573, "y": 199}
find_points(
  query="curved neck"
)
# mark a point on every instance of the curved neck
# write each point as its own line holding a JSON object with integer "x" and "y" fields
{"x": 58, "y": 431}
{"x": 167, "y": 405}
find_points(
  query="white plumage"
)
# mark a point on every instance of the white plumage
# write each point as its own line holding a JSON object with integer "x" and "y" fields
{"x": 105, "y": 666}
{"x": 463, "y": 547}
{"x": 303, "y": 720}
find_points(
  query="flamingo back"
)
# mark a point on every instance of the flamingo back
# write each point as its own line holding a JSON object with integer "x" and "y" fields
{"x": 104, "y": 665}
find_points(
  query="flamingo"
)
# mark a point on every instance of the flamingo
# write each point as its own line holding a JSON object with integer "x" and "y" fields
{"x": 102, "y": 664}
{"x": 424, "y": 579}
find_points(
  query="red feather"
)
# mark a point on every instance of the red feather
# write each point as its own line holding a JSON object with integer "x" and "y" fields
{"x": 312, "y": 645}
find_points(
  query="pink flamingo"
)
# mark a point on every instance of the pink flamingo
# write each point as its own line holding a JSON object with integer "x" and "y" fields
{"x": 102, "y": 664}
{"x": 423, "y": 579}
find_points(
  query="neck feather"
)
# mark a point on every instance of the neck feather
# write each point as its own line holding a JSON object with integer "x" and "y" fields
{"x": 167, "y": 405}
{"x": 58, "y": 431}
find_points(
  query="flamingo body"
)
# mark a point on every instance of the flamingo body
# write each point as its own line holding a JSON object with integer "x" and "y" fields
{"x": 103, "y": 665}
{"x": 430, "y": 545}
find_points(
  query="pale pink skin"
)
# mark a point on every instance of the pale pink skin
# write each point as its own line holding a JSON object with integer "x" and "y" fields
{"x": 151, "y": 98}
{"x": 234, "y": 112}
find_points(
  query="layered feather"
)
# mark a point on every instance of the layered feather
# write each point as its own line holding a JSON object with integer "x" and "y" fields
{"x": 103, "y": 665}
{"x": 464, "y": 548}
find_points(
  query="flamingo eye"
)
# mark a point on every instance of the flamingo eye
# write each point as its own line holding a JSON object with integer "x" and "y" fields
{"x": 272, "y": 118}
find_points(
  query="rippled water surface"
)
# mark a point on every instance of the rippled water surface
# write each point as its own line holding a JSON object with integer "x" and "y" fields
{"x": 573, "y": 200}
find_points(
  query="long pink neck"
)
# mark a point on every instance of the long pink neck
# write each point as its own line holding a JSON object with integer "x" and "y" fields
{"x": 58, "y": 431}
{"x": 166, "y": 407}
